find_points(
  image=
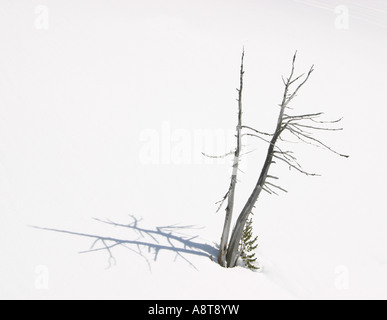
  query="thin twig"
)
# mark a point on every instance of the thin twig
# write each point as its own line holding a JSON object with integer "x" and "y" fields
{"x": 260, "y": 132}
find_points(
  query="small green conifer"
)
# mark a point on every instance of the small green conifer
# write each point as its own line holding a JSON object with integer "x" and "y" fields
{"x": 248, "y": 245}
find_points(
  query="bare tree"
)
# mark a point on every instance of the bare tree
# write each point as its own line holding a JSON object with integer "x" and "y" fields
{"x": 300, "y": 126}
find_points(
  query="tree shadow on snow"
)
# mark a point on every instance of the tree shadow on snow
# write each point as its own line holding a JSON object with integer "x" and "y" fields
{"x": 165, "y": 238}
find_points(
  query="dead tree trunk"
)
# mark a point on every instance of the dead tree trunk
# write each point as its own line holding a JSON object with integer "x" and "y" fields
{"x": 231, "y": 191}
{"x": 297, "y": 126}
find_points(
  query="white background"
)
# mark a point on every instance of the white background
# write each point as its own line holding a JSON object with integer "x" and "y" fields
{"x": 87, "y": 87}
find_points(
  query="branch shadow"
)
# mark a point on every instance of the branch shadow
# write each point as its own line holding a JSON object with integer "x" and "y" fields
{"x": 175, "y": 240}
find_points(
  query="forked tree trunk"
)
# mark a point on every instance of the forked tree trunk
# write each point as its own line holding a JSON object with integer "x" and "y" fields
{"x": 295, "y": 125}
{"x": 299, "y": 127}
{"x": 233, "y": 248}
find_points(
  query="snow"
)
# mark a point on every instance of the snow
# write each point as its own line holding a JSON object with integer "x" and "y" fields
{"x": 92, "y": 90}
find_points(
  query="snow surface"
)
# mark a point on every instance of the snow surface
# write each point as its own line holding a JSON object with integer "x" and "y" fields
{"x": 105, "y": 108}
